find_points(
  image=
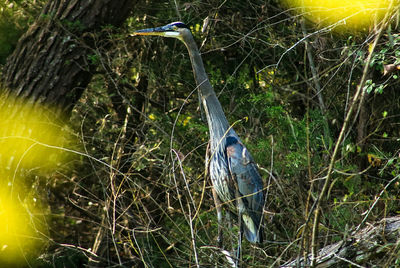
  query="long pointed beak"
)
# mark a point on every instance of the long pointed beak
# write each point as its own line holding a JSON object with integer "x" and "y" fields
{"x": 165, "y": 31}
{"x": 151, "y": 31}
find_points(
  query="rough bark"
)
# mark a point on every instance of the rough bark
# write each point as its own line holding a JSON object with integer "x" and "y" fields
{"x": 50, "y": 63}
{"x": 360, "y": 249}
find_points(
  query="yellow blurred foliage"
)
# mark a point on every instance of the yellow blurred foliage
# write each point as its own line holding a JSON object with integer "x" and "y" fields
{"x": 21, "y": 228}
{"x": 30, "y": 144}
{"x": 29, "y": 137}
{"x": 351, "y": 15}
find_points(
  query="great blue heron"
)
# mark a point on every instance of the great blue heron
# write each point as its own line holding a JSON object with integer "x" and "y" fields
{"x": 232, "y": 170}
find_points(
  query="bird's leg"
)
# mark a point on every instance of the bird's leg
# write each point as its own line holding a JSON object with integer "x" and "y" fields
{"x": 219, "y": 216}
{"x": 229, "y": 217}
{"x": 239, "y": 204}
{"x": 238, "y": 253}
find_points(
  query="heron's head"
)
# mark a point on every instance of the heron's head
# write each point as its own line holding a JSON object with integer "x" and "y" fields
{"x": 175, "y": 29}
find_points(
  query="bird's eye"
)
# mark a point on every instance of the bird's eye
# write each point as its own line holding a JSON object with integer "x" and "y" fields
{"x": 174, "y": 27}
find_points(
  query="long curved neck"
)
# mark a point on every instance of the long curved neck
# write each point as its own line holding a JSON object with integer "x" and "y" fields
{"x": 217, "y": 122}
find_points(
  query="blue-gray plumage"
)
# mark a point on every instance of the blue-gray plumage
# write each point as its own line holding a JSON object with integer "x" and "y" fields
{"x": 243, "y": 170}
{"x": 233, "y": 173}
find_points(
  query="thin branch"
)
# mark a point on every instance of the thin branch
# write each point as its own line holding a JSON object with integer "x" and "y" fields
{"x": 356, "y": 98}
{"x": 315, "y": 78}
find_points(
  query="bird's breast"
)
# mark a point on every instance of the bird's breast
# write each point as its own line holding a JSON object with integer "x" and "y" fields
{"x": 220, "y": 178}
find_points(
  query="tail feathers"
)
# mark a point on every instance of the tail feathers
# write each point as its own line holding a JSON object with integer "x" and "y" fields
{"x": 252, "y": 231}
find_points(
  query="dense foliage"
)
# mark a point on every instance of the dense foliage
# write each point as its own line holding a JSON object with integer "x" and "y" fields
{"x": 137, "y": 192}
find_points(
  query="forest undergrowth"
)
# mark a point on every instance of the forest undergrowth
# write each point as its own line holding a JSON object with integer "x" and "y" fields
{"x": 317, "y": 108}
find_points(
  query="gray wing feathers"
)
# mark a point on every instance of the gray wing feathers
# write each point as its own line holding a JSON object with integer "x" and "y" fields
{"x": 249, "y": 183}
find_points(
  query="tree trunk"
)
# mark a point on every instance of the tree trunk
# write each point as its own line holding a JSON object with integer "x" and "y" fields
{"x": 53, "y": 62}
